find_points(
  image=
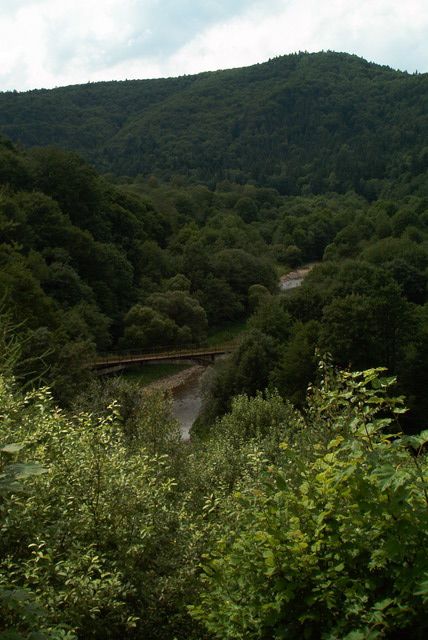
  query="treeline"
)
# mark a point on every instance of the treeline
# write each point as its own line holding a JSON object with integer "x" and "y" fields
{"x": 302, "y": 124}
{"x": 89, "y": 266}
{"x": 365, "y": 304}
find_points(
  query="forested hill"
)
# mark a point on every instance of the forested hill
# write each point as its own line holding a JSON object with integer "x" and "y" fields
{"x": 297, "y": 507}
{"x": 302, "y": 123}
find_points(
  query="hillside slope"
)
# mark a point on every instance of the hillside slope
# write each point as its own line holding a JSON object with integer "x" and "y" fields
{"x": 303, "y": 123}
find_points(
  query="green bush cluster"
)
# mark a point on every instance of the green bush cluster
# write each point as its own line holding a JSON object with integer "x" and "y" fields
{"x": 329, "y": 539}
{"x": 278, "y": 525}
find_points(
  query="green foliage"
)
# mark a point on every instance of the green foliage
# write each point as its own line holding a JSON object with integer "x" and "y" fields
{"x": 87, "y": 266}
{"x": 257, "y": 296}
{"x": 86, "y": 543}
{"x": 144, "y": 415}
{"x": 271, "y": 318}
{"x": 292, "y": 256}
{"x": 367, "y": 330}
{"x": 298, "y": 364}
{"x": 331, "y": 537}
{"x": 169, "y": 318}
{"x": 245, "y": 372}
{"x": 146, "y": 327}
{"x": 302, "y": 123}
{"x": 310, "y": 522}
{"x": 241, "y": 270}
{"x": 316, "y": 520}
{"x": 184, "y": 311}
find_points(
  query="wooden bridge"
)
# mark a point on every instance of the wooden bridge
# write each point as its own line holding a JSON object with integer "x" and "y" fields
{"x": 116, "y": 362}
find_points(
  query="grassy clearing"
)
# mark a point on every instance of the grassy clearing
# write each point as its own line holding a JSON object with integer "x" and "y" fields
{"x": 145, "y": 374}
{"x": 226, "y": 333}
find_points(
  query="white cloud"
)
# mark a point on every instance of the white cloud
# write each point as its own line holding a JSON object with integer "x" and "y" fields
{"x": 386, "y": 31}
{"x": 57, "y": 42}
{"x": 53, "y": 42}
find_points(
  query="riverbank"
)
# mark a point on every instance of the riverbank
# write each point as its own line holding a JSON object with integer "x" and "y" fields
{"x": 186, "y": 396}
{"x": 295, "y": 278}
{"x": 184, "y": 386}
{"x": 178, "y": 381}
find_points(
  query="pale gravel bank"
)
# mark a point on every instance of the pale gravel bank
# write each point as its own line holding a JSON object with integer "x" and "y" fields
{"x": 177, "y": 381}
{"x": 295, "y": 278}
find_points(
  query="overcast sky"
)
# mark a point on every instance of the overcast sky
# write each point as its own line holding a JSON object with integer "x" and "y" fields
{"x": 48, "y": 43}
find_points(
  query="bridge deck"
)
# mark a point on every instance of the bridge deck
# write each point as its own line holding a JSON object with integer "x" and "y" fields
{"x": 176, "y": 354}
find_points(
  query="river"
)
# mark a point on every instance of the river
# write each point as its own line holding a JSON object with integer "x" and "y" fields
{"x": 295, "y": 278}
{"x": 186, "y": 386}
{"x": 185, "y": 389}
{"x": 186, "y": 404}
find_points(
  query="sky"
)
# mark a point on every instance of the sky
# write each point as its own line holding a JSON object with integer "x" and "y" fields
{"x": 49, "y": 43}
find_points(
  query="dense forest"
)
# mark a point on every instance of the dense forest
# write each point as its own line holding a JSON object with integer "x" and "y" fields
{"x": 158, "y": 214}
{"x": 303, "y": 123}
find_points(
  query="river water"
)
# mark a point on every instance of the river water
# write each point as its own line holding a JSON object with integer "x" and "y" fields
{"x": 186, "y": 404}
{"x": 187, "y": 399}
{"x": 294, "y": 279}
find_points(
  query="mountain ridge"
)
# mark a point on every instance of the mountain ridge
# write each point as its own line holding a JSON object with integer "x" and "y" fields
{"x": 297, "y": 123}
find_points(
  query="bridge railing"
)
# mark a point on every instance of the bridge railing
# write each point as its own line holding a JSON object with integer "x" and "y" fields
{"x": 166, "y": 352}
{"x": 154, "y": 350}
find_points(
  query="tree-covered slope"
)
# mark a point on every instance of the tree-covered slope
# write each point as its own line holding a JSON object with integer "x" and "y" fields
{"x": 302, "y": 123}
{"x": 86, "y": 265}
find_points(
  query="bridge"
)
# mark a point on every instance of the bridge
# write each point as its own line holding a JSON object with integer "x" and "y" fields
{"x": 115, "y": 362}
